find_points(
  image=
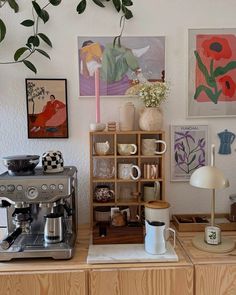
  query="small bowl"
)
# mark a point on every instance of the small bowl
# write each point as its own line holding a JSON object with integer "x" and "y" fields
{"x": 21, "y": 164}
{"x": 97, "y": 126}
{"x": 102, "y": 214}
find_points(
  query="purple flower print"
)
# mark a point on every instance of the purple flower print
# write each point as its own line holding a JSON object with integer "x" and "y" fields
{"x": 189, "y": 153}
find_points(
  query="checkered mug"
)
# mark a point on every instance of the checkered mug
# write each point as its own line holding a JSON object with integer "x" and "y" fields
{"x": 52, "y": 162}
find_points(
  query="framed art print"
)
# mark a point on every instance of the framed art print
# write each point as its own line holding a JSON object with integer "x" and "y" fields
{"x": 189, "y": 150}
{"x": 47, "y": 114}
{"x": 120, "y": 67}
{"x": 212, "y": 73}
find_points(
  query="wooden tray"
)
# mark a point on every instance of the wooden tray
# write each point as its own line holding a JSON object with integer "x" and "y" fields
{"x": 198, "y": 222}
{"x": 107, "y": 234}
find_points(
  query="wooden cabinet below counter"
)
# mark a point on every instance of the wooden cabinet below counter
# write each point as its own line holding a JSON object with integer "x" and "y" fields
{"x": 44, "y": 283}
{"x": 142, "y": 281}
{"x": 214, "y": 274}
{"x": 76, "y": 277}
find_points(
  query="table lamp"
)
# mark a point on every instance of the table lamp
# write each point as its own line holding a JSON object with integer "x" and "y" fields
{"x": 210, "y": 177}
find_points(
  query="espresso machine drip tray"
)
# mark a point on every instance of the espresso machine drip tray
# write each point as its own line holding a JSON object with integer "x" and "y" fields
{"x": 33, "y": 246}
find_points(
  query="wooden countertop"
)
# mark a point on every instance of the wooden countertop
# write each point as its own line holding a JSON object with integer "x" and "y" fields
{"x": 78, "y": 262}
{"x": 201, "y": 257}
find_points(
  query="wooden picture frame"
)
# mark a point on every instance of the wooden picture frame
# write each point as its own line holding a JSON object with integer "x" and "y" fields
{"x": 211, "y": 73}
{"x": 47, "y": 113}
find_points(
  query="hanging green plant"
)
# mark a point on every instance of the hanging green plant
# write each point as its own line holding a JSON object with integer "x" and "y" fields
{"x": 120, "y": 6}
{"x": 38, "y": 38}
{"x": 34, "y": 41}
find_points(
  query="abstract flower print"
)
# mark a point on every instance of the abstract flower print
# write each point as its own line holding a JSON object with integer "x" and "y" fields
{"x": 215, "y": 68}
{"x": 228, "y": 86}
{"x": 189, "y": 151}
{"x": 217, "y": 48}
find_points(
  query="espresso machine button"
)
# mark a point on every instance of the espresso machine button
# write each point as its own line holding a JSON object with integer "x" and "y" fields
{"x": 2, "y": 188}
{"x": 32, "y": 193}
{"x": 61, "y": 187}
{"x": 10, "y": 188}
{"x": 52, "y": 187}
{"x": 19, "y": 188}
{"x": 44, "y": 187}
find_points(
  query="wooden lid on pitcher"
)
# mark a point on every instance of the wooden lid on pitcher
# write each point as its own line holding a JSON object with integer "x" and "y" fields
{"x": 157, "y": 204}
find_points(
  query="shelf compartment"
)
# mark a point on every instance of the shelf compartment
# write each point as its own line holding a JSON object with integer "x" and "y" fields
{"x": 127, "y": 157}
{"x": 125, "y": 202}
{"x": 150, "y": 180}
{"x": 103, "y": 180}
{"x": 103, "y": 157}
{"x": 104, "y": 204}
{"x": 117, "y": 235}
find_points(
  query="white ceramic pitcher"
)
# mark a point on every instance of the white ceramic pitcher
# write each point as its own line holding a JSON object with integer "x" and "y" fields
{"x": 155, "y": 240}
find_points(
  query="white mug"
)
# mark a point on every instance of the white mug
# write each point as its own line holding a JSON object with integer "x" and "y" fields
{"x": 125, "y": 171}
{"x": 155, "y": 238}
{"x": 149, "y": 147}
{"x": 101, "y": 148}
{"x": 126, "y": 149}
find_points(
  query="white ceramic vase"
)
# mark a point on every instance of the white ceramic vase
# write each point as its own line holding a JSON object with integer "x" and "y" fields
{"x": 150, "y": 119}
{"x": 127, "y": 112}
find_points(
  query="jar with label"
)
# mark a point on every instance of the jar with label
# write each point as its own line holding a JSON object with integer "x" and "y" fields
{"x": 127, "y": 112}
{"x": 232, "y": 215}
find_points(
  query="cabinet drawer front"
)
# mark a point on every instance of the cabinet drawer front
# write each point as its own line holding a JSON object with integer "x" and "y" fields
{"x": 60, "y": 283}
{"x": 215, "y": 279}
{"x": 168, "y": 281}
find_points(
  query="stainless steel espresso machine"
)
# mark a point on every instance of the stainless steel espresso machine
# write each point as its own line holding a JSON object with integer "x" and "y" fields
{"x": 38, "y": 215}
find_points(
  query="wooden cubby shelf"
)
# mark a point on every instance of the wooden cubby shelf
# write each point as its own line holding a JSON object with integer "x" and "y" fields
{"x": 128, "y": 193}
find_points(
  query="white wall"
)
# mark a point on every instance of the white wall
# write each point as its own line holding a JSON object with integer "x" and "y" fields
{"x": 154, "y": 17}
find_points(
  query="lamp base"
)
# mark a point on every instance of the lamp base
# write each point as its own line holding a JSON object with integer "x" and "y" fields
{"x": 212, "y": 235}
{"x": 225, "y": 246}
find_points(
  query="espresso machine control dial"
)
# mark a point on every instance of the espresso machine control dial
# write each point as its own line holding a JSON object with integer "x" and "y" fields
{"x": 32, "y": 192}
{"x": 10, "y": 188}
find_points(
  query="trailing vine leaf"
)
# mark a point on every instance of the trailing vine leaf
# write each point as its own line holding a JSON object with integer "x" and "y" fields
{"x": 2, "y": 30}
{"x": 45, "y": 39}
{"x": 37, "y": 8}
{"x": 43, "y": 52}
{"x": 55, "y": 2}
{"x": 81, "y": 6}
{"x": 99, "y": 3}
{"x": 128, "y": 14}
{"x": 13, "y": 5}
{"x": 117, "y": 4}
{"x": 223, "y": 70}
{"x": 44, "y": 15}
{"x": 27, "y": 23}
{"x": 19, "y": 52}
{"x": 210, "y": 81}
{"x": 127, "y": 2}
{"x": 208, "y": 91}
{"x": 30, "y": 66}
{"x": 33, "y": 40}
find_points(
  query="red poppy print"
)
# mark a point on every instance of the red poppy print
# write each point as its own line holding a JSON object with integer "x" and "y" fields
{"x": 215, "y": 68}
{"x": 228, "y": 86}
{"x": 217, "y": 48}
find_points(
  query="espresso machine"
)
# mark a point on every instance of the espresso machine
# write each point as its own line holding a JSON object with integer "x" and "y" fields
{"x": 38, "y": 214}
